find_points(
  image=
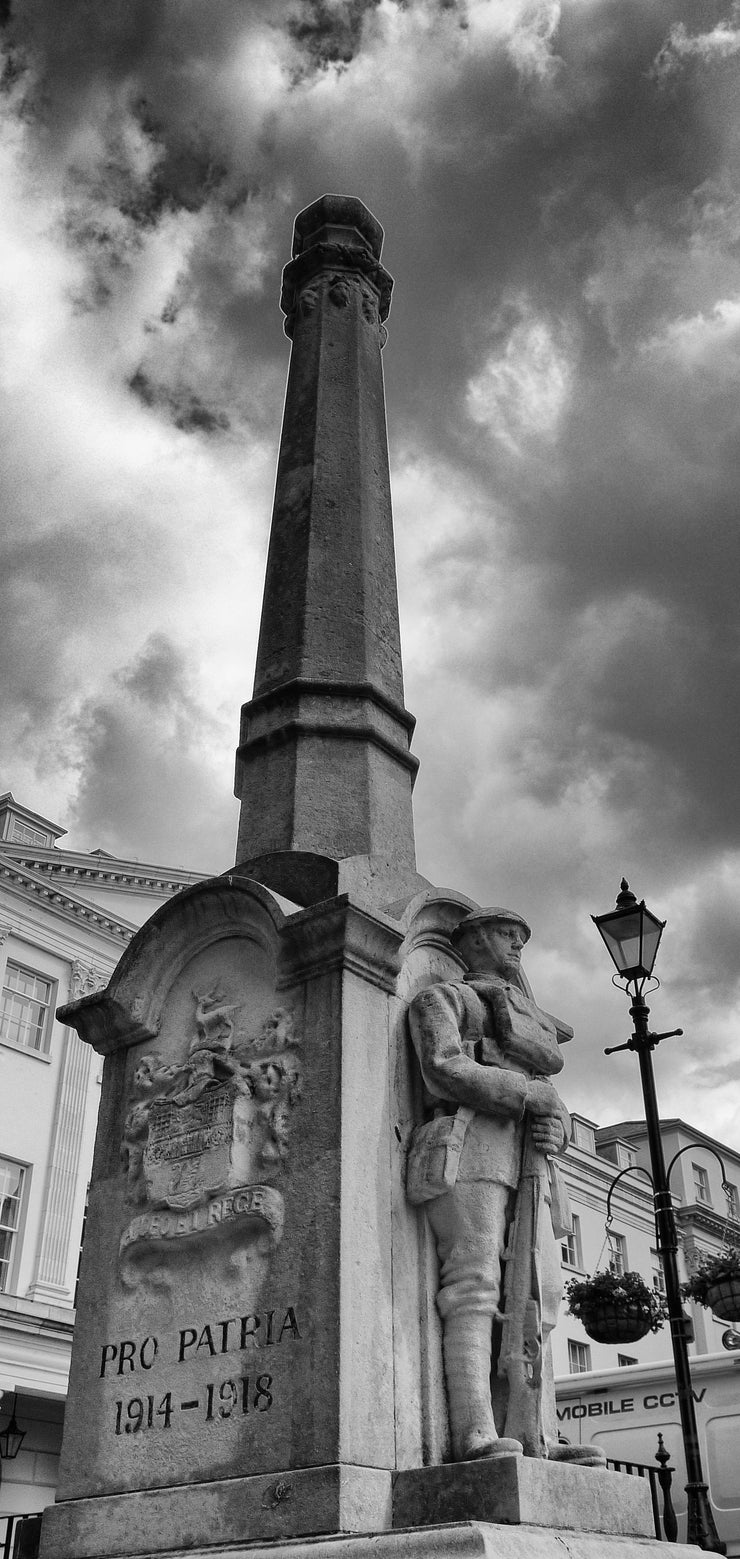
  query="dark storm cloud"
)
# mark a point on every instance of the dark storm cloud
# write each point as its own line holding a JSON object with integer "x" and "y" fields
{"x": 328, "y": 32}
{"x": 184, "y": 407}
{"x": 49, "y": 583}
{"x": 152, "y": 701}
{"x": 558, "y": 185}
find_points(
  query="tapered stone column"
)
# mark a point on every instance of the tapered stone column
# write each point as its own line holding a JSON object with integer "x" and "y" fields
{"x": 324, "y": 770}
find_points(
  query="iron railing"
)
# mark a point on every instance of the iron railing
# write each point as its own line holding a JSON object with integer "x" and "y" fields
{"x": 20, "y": 1536}
{"x": 660, "y": 1479}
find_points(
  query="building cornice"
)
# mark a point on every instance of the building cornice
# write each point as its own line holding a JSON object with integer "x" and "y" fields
{"x": 107, "y": 870}
{"x": 36, "y": 1319}
{"x": 636, "y": 1130}
{"x": 41, "y": 889}
{"x": 694, "y": 1215}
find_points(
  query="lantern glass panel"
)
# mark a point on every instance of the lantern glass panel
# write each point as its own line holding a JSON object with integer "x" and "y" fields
{"x": 631, "y": 938}
{"x": 651, "y": 934}
{"x": 623, "y": 938}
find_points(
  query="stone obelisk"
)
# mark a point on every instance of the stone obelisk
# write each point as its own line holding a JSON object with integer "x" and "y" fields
{"x": 257, "y": 1354}
{"x": 324, "y": 770}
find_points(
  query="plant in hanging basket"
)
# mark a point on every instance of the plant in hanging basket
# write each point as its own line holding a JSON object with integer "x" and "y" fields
{"x": 715, "y": 1283}
{"x": 615, "y": 1307}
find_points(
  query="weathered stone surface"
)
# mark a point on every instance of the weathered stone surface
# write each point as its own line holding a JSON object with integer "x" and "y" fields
{"x": 324, "y": 769}
{"x": 482, "y": 1166}
{"x": 464, "y": 1540}
{"x": 236, "y": 1301}
{"x": 524, "y": 1490}
{"x": 422, "y": 1434}
{"x": 233, "y": 1510}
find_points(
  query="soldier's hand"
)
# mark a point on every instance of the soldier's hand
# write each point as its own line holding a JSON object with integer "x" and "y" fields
{"x": 542, "y": 1100}
{"x": 547, "y": 1133}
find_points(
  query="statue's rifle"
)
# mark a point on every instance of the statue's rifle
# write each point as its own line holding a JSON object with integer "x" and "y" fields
{"x": 520, "y": 1358}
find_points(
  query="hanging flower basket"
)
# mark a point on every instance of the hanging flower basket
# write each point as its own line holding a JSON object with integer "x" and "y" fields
{"x": 715, "y": 1283}
{"x": 616, "y": 1323}
{"x": 615, "y": 1307}
{"x": 723, "y": 1299}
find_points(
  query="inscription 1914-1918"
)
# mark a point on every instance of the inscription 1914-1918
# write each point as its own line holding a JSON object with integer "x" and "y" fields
{"x": 222, "y": 1400}
{"x": 217, "y": 1400}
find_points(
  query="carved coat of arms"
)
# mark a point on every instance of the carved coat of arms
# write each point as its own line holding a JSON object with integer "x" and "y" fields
{"x": 205, "y": 1140}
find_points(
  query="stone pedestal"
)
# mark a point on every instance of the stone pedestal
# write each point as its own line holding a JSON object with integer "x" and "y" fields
{"x": 236, "y": 1310}
{"x": 505, "y": 1509}
{"x": 257, "y": 1357}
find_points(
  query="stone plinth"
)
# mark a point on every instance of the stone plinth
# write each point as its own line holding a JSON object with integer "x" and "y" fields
{"x": 231, "y": 1510}
{"x": 235, "y": 1311}
{"x": 508, "y": 1507}
{"x": 519, "y": 1490}
{"x": 459, "y": 1540}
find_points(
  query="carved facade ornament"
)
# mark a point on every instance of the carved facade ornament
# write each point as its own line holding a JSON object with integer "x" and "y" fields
{"x": 85, "y": 981}
{"x": 6, "y": 928}
{"x": 302, "y": 273}
{"x": 205, "y": 1140}
{"x": 369, "y": 305}
{"x": 308, "y": 301}
{"x": 339, "y": 291}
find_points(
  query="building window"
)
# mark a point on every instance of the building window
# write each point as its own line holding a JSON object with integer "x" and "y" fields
{"x": 733, "y": 1204}
{"x": 579, "y": 1357}
{"x": 11, "y": 1194}
{"x": 626, "y": 1156}
{"x": 658, "y": 1273}
{"x": 24, "y": 1013}
{"x": 701, "y": 1184}
{"x": 570, "y": 1248}
{"x": 584, "y": 1135}
{"x": 625, "y": 1359}
{"x": 23, "y": 833}
{"x": 617, "y": 1248}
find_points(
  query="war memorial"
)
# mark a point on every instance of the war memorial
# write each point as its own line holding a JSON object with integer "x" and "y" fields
{"x": 320, "y": 1268}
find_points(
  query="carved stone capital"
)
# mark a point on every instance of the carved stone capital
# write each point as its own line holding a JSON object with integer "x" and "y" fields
{"x": 342, "y": 265}
{"x": 85, "y": 981}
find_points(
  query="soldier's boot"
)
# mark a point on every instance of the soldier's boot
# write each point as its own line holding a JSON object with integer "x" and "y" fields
{"x": 467, "y": 1355}
{"x": 576, "y": 1455}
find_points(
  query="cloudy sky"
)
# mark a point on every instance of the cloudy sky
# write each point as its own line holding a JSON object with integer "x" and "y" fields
{"x": 558, "y": 183}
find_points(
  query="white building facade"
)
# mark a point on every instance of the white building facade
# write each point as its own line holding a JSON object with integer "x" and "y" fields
{"x": 623, "y": 1396}
{"x": 65, "y": 920}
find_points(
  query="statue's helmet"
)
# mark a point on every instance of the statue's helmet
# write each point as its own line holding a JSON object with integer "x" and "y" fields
{"x": 494, "y": 915}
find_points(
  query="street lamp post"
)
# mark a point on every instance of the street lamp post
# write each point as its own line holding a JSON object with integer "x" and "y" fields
{"x": 631, "y": 935}
{"x": 11, "y": 1439}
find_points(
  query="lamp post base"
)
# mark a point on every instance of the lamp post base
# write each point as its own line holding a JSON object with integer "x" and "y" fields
{"x": 700, "y": 1527}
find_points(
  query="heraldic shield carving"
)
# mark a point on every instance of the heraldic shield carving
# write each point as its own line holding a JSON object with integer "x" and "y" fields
{"x": 205, "y": 1141}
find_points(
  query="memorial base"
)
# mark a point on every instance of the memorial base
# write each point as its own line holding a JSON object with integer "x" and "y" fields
{"x": 462, "y": 1540}
{"x": 512, "y": 1508}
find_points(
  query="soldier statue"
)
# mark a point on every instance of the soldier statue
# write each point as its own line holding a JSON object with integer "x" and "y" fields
{"x": 484, "y": 1167}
